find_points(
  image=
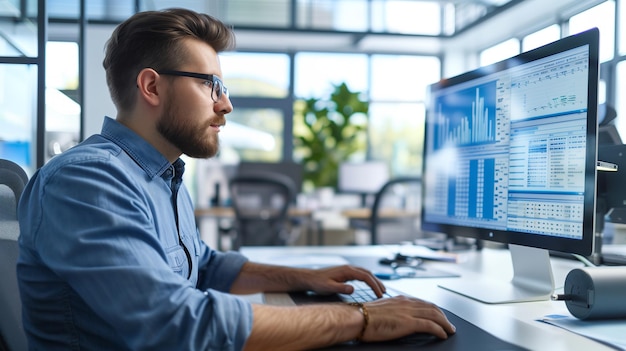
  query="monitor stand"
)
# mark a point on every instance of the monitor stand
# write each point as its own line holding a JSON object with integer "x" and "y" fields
{"x": 532, "y": 280}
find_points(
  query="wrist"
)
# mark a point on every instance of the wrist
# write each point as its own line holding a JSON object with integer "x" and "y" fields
{"x": 366, "y": 319}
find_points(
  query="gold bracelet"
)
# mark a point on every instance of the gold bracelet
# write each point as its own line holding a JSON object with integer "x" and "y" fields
{"x": 366, "y": 318}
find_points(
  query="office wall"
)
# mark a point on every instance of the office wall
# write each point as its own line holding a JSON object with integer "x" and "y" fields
{"x": 97, "y": 102}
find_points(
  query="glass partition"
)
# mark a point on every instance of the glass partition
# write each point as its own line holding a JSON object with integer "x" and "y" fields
{"x": 18, "y": 101}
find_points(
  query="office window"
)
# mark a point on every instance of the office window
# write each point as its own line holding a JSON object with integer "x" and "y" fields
{"x": 499, "y": 52}
{"x": 620, "y": 103}
{"x": 62, "y": 109}
{"x": 466, "y": 13}
{"x": 62, "y": 65}
{"x": 541, "y": 37}
{"x": 252, "y": 134}
{"x": 407, "y": 17}
{"x": 396, "y": 133}
{"x": 256, "y": 74}
{"x": 94, "y": 9}
{"x": 403, "y": 77}
{"x": 622, "y": 28}
{"x": 316, "y": 73}
{"x": 18, "y": 101}
{"x": 603, "y": 17}
{"x": 270, "y": 13}
{"x": 19, "y": 33}
{"x": 341, "y": 15}
{"x": 396, "y": 115}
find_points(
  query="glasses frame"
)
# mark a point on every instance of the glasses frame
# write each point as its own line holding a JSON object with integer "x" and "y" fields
{"x": 215, "y": 81}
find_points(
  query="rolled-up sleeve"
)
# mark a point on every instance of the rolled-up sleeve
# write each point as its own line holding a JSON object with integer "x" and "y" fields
{"x": 218, "y": 270}
{"x": 234, "y": 330}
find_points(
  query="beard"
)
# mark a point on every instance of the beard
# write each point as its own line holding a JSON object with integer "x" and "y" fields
{"x": 191, "y": 138}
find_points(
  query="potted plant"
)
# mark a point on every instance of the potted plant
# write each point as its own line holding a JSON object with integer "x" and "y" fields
{"x": 328, "y": 132}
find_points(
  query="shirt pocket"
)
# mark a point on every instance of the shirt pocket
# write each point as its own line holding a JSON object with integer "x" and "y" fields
{"x": 177, "y": 259}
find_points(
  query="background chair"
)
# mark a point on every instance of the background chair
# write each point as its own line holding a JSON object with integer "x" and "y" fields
{"x": 394, "y": 215}
{"x": 12, "y": 182}
{"x": 261, "y": 202}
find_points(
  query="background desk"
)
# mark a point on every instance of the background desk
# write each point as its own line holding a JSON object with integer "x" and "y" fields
{"x": 514, "y": 322}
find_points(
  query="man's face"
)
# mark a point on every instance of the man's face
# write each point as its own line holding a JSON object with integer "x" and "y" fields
{"x": 191, "y": 120}
{"x": 195, "y": 138}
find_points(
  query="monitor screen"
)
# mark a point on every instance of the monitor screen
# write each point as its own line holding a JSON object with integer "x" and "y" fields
{"x": 510, "y": 150}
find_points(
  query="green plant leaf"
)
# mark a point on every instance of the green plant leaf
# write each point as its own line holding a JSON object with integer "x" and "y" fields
{"x": 329, "y": 135}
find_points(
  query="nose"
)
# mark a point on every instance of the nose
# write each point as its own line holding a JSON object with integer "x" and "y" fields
{"x": 224, "y": 105}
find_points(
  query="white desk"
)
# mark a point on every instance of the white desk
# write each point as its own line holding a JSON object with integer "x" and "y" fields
{"x": 515, "y": 323}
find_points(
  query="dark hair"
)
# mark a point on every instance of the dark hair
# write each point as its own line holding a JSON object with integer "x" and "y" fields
{"x": 153, "y": 39}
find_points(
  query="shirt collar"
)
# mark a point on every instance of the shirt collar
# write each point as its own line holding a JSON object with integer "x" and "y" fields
{"x": 144, "y": 154}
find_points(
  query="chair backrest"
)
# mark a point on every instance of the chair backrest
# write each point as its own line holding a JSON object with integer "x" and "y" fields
{"x": 12, "y": 182}
{"x": 397, "y": 202}
{"x": 261, "y": 202}
{"x": 291, "y": 169}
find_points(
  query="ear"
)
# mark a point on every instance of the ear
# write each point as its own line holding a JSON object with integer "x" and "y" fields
{"x": 149, "y": 87}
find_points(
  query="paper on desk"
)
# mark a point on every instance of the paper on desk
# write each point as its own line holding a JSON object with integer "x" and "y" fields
{"x": 609, "y": 332}
{"x": 423, "y": 252}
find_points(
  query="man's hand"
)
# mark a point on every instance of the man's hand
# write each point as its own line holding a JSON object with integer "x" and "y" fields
{"x": 315, "y": 326}
{"x": 255, "y": 277}
{"x": 332, "y": 280}
{"x": 402, "y": 315}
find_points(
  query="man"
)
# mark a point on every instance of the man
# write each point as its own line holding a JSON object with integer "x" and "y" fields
{"x": 110, "y": 257}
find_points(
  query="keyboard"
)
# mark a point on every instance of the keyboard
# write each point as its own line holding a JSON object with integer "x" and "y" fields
{"x": 362, "y": 293}
{"x": 467, "y": 333}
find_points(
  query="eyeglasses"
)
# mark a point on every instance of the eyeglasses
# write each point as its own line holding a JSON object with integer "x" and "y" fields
{"x": 217, "y": 86}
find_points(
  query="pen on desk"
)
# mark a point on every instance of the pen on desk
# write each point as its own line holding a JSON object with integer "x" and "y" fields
{"x": 561, "y": 297}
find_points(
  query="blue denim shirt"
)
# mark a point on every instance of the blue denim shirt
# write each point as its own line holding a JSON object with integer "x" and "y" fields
{"x": 101, "y": 266}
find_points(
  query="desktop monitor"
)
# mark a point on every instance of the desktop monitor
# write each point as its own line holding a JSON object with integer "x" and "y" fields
{"x": 510, "y": 156}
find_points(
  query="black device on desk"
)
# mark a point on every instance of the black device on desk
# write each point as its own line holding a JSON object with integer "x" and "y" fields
{"x": 612, "y": 199}
{"x": 510, "y": 156}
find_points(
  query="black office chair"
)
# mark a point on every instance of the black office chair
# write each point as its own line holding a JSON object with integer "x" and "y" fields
{"x": 395, "y": 210}
{"x": 261, "y": 202}
{"x": 12, "y": 182}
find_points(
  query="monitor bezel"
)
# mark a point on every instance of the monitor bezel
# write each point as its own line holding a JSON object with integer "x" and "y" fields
{"x": 582, "y": 246}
